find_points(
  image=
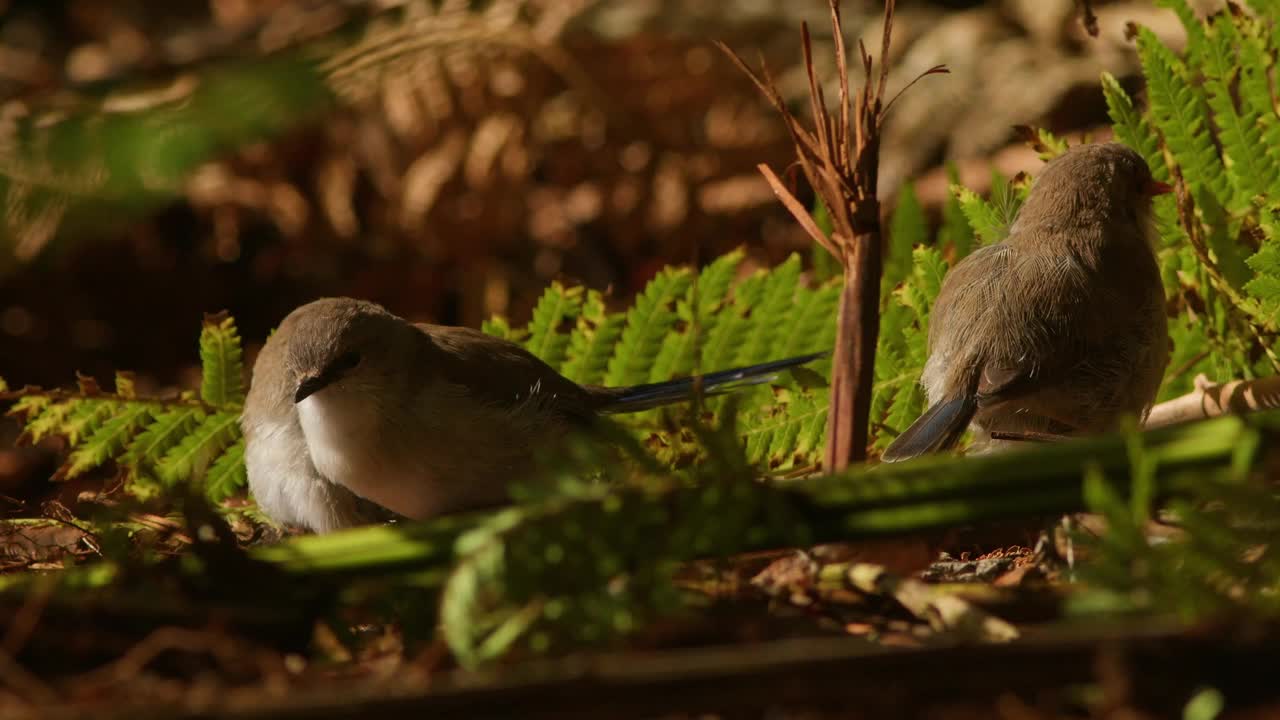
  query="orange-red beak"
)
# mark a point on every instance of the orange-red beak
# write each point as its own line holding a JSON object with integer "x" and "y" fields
{"x": 1155, "y": 187}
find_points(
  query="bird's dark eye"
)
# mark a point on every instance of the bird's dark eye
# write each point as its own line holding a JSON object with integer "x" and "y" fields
{"x": 345, "y": 362}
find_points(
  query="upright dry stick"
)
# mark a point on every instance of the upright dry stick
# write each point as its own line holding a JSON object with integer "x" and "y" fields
{"x": 840, "y": 158}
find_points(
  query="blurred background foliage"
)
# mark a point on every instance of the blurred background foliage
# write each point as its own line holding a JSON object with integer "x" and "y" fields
{"x": 448, "y": 159}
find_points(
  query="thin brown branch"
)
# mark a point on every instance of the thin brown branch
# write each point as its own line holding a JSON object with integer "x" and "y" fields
{"x": 800, "y": 136}
{"x": 798, "y": 211}
{"x": 885, "y": 37}
{"x": 935, "y": 70}
{"x": 1088, "y": 19}
{"x": 840, "y": 158}
{"x": 842, "y": 66}
{"x": 1209, "y": 400}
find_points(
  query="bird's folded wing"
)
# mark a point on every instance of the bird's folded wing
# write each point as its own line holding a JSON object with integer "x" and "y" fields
{"x": 497, "y": 371}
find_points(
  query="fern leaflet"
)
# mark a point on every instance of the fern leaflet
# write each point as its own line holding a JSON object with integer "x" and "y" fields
{"x": 769, "y": 314}
{"x": 557, "y": 305}
{"x": 227, "y": 474}
{"x": 222, "y": 369}
{"x": 1240, "y": 131}
{"x": 679, "y": 352}
{"x": 987, "y": 223}
{"x": 649, "y": 321}
{"x": 192, "y": 455}
{"x": 1179, "y": 112}
{"x": 108, "y": 442}
{"x": 592, "y": 342}
{"x": 956, "y": 232}
{"x": 907, "y": 229}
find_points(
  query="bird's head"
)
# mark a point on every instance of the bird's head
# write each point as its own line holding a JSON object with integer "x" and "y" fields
{"x": 345, "y": 345}
{"x": 1102, "y": 183}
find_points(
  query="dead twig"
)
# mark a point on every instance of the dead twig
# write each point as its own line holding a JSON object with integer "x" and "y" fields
{"x": 1088, "y": 19}
{"x": 840, "y": 159}
{"x": 1210, "y": 400}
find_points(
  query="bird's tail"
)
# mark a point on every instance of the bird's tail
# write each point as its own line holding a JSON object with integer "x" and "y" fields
{"x": 652, "y": 395}
{"x": 939, "y": 428}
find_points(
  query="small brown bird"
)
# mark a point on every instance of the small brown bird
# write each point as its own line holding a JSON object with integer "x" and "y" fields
{"x": 1060, "y": 329}
{"x": 356, "y": 415}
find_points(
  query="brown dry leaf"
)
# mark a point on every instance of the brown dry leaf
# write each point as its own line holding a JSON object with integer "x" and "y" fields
{"x": 427, "y": 176}
{"x": 40, "y": 542}
{"x": 903, "y": 556}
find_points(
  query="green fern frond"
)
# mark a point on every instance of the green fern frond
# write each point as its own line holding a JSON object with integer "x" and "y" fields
{"x": 733, "y": 328}
{"x": 194, "y": 452}
{"x": 1256, "y": 61}
{"x": 172, "y": 439}
{"x": 679, "y": 353}
{"x": 1007, "y": 196}
{"x": 897, "y": 398}
{"x": 85, "y": 419}
{"x": 592, "y": 342}
{"x": 496, "y": 326}
{"x": 908, "y": 227}
{"x": 956, "y": 233}
{"x": 770, "y": 314}
{"x": 810, "y": 327}
{"x": 1179, "y": 112}
{"x": 767, "y": 316}
{"x": 1135, "y": 131}
{"x": 1269, "y": 10}
{"x": 47, "y": 418}
{"x": 557, "y": 306}
{"x": 161, "y": 436}
{"x": 1264, "y": 288}
{"x": 987, "y": 223}
{"x": 1131, "y": 128}
{"x": 788, "y": 434}
{"x": 28, "y": 407}
{"x": 1052, "y": 145}
{"x": 1239, "y": 131}
{"x": 649, "y": 322}
{"x": 1047, "y": 145}
{"x": 228, "y": 474}
{"x": 825, "y": 265}
{"x": 222, "y": 366}
{"x": 928, "y": 271}
{"x": 499, "y": 326}
{"x": 108, "y": 442}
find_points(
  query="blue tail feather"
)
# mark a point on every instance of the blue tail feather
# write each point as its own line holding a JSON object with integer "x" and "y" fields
{"x": 939, "y": 428}
{"x": 651, "y": 395}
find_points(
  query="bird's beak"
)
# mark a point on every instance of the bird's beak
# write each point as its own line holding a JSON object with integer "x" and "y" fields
{"x": 309, "y": 385}
{"x": 1155, "y": 187}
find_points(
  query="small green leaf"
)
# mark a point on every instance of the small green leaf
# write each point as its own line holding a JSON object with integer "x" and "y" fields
{"x": 192, "y": 455}
{"x": 227, "y": 475}
{"x": 908, "y": 228}
{"x": 222, "y": 378}
{"x": 558, "y": 305}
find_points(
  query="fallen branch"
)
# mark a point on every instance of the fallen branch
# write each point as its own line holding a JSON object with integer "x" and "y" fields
{"x": 1210, "y": 400}
{"x": 1162, "y": 668}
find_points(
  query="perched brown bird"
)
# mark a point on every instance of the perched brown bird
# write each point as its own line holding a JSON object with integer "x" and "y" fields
{"x": 1060, "y": 329}
{"x": 355, "y": 414}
